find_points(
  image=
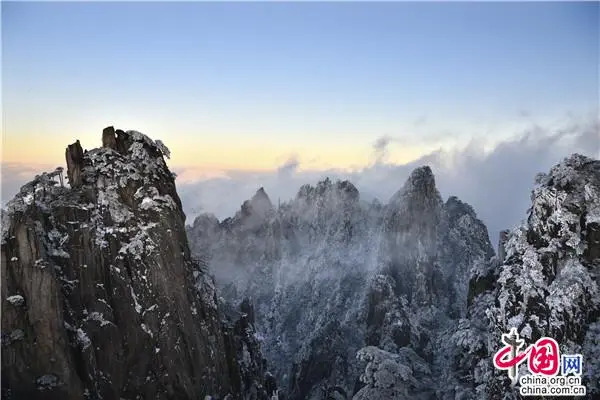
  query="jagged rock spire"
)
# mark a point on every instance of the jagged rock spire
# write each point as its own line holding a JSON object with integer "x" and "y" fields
{"x": 261, "y": 202}
{"x": 74, "y": 157}
{"x": 109, "y": 138}
{"x": 502, "y": 244}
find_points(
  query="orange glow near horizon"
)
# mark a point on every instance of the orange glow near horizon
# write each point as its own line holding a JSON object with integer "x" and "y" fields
{"x": 210, "y": 159}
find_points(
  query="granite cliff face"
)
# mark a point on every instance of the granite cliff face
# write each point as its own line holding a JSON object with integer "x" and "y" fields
{"x": 544, "y": 282}
{"x": 407, "y": 300}
{"x": 101, "y": 298}
{"x": 334, "y": 278}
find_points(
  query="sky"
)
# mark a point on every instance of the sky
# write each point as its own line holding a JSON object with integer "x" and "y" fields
{"x": 252, "y": 88}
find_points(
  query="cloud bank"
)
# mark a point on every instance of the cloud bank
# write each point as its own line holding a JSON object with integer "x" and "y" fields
{"x": 496, "y": 182}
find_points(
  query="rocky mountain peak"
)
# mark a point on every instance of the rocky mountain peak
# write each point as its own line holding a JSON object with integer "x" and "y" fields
{"x": 418, "y": 195}
{"x": 113, "y": 306}
{"x": 327, "y": 191}
{"x": 260, "y": 203}
{"x": 261, "y": 193}
{"x": 420, "y": 184}
{"x": 206, "y": 220}
{"x": 422, "y": 177}
{"x": 416, "y": 206}
{"x": 547, "y": 277}
{"x": 254, "y": 213}
{"x": 565, "y": 211}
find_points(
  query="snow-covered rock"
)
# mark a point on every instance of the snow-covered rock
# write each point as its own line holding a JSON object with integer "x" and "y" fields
{"x": 329, "y": 273}
{"x": 547, "y": 283}
{"x": 16, "y": 300}
{"x": 108, "y": 278}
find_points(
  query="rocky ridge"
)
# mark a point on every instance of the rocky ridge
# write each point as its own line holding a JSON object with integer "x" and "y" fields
{"x": 546, "y": 281}
{"x": 407, "y": 300}
{"x": 330, "y": 274}
{"x": 101, "y": 298}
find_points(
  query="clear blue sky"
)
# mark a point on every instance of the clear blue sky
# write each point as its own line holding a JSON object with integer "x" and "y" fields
{"x": 240, "y": 85}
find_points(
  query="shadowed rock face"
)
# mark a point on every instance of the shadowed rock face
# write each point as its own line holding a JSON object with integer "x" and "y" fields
{"x": 109, "y": 138}
{"x": 74, "y": 156}
{"x": 100, "y": 297}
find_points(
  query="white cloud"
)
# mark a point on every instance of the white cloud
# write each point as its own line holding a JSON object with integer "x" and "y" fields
{"x": 496, "y": 182}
